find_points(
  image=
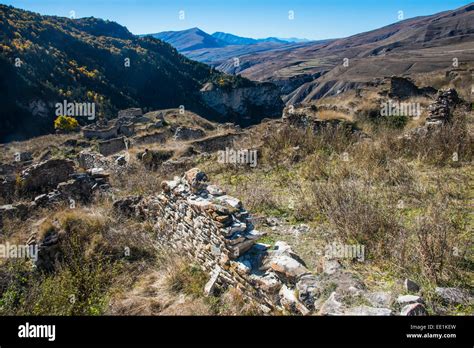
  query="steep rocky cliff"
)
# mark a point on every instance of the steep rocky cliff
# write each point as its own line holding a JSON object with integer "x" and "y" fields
{"x": 255, "y": 102}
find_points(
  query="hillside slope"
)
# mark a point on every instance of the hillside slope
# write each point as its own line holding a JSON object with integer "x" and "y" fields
{"x": 416, "y": 45}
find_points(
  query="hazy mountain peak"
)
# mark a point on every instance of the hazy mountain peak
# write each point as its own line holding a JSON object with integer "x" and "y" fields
{"x": 189, "y": 39}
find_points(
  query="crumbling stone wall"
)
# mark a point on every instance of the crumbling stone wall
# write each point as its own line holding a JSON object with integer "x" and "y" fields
{"x": 203, "y": 223}
{"x": 109, "y": 147}
{"x": 100, "y": 132}
{"x": 441, "y": 110}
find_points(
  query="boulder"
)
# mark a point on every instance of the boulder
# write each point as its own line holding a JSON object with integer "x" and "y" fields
{"x": 211, "y": 284}
{"x": 269, "y": 282}
{"x": 366, "y": 310}
{"x": 411, "y": 286}
{"x": 309, "y": 290}
{"x": 229, "y": 201}
{"x": 380, "y": 299}
{"x": 454, "y": 296}
{"x": 196, "y": 179}
{"x": 414, "y": 309}
{"x": 331, "y": 306}
{"x": 331, "y": 266}
{"x": 409, "y": 299}
{"x": 288, "y": 267}
{"x": 290, "y": 302}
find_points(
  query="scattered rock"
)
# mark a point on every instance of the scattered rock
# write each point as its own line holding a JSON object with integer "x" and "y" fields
{"x": 289, "y": 301}
{"x": 331, "y": 266}
{"x": 331, "y": 306}
{"x": 229, "y": 201}
{"x": 366, "y": 310}
{"x": 414, "y": 309}
{"x": 409, "y": 299}
{"x": 454, "y": 296}
{"x": 288, "y": 266}
{"x": 272, "y": 222}
{"x": 309, "y": 290}
{"x": 269, "y": 282}
{"x": 214, "y": 190}
{"x": 211, "y": 284}
{"x": 380, "y": 299}
{"x": 411, "y": 286}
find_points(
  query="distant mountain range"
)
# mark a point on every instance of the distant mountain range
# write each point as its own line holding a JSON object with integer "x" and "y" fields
{"x": 309, "y": 70}
{"x": 195, "y": 38}
{"x": 219, "y": 48}
{"x": 230, "y": 39}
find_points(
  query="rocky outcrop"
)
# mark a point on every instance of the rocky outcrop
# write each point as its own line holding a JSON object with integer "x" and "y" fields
{"x": 243, "y": 105}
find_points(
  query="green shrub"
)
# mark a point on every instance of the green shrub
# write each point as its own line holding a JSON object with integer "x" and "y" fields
{"x": 66, "y": 124}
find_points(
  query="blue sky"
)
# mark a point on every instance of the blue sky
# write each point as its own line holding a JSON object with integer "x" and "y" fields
{"x": 313, "y": 19}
